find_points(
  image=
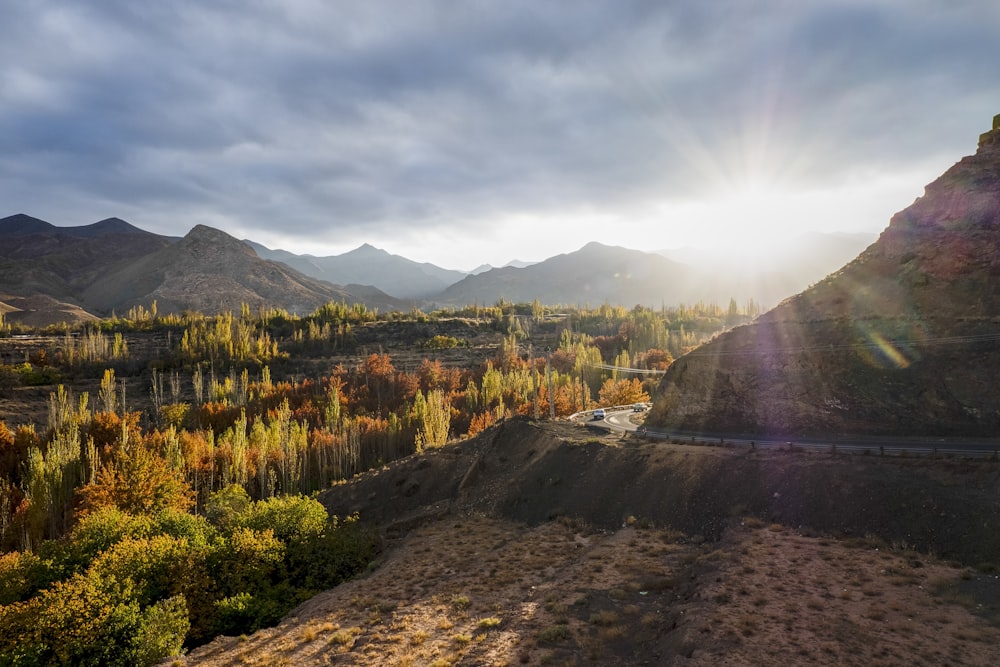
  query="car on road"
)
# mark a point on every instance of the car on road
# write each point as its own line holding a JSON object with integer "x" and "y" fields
{"x": 598, "y": 414}
{"x": 639, "y": 407}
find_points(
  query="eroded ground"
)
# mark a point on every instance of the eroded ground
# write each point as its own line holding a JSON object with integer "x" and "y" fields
{"x": 480, "y": 591}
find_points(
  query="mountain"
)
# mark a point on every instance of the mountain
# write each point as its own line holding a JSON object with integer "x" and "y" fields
{"x": 210, "y": 271}
{"x": 37, "y": 258}
{"x": 902, "y": 340}
{"x": 50, "y": 274}
{"x": 369, "y": 265}
{"x": 592, "y": 275}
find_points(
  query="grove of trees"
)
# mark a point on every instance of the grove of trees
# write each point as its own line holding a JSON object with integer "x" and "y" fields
{"x": 136, "y": 523}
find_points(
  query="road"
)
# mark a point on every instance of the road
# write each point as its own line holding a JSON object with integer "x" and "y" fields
{"x": 618, "y": 419}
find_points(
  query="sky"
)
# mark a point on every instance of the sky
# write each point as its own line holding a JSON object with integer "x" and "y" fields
{"x": 470, "y": 132}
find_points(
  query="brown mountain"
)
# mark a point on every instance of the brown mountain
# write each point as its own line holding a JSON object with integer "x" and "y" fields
{"x": 39, "y": 258}
{"x": 211, "y": 271}
{"x": 903, "y": 340}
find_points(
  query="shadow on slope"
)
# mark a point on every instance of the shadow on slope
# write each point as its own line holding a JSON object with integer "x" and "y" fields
{"x": 533, "y": 472}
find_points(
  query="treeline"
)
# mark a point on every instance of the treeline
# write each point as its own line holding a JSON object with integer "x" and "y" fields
{"x": 221, "y": 441}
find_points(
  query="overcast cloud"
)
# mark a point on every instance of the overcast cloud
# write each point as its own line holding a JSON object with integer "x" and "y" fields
{"x": 462, "y": 132}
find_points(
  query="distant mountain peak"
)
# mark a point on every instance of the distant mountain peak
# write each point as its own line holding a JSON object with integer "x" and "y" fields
{"x": 114, "y": 222}
{"x": 366, "y": 250}
{"x": 107, "y": 226}
{"x": 212, "y": 243}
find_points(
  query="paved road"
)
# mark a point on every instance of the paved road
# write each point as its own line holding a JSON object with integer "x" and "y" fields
{"x": 620, "y": 421}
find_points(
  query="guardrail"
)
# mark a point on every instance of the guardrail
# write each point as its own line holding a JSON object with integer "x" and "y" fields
{"x": 882, "y": 449}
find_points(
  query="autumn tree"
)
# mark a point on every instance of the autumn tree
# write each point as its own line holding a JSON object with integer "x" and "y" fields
{"x": 433, "y": 413}
{"x": 622, "y": 392}
{"x": 138, "y": 481}
{"x": 654, "y": 359}
{"x": 378, "y": 372}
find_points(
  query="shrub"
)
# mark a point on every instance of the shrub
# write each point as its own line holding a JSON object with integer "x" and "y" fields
{"x": 20, "y": 575}
{"x": 555, "y": 634}
{"x": 162, "y": 630}
{"x": 291, "y": 518}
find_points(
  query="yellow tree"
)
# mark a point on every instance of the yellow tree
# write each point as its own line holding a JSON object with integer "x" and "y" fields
{"x": 622, "y": 392}
{"x": 434, "y": 416}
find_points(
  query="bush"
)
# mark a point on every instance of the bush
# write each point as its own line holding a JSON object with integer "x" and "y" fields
{"x": 291, "y": 518}
{"x": 21, "y": 574}
{"x": 225, "y": 505}
{"x": 323, "y": 561}
{"x": 162, "y": 630}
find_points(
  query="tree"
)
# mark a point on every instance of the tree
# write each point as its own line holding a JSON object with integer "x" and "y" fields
{"x": 137, "y": 481}
{"x": 655, "y": 359}
{"x": 622, "y": 392}
{"x": 378, "y": 371}
{"x": 434, "y": 416}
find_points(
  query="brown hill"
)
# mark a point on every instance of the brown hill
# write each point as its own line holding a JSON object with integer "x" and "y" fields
{"x": 40, "y": 259}
{"x": 542, "y": 544}
{"x": 210, "y": 271}
{"x": 40, "y": 311}
{"x": 903, "y": 340}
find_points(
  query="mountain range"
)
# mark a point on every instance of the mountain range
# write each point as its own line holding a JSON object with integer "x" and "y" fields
{"x": 50, "y": 274}
{"x": 903, "y": 340}
{"x": 75, "y": 273}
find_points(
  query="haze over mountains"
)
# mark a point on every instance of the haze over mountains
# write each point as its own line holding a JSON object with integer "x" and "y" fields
{"x": 110, "y": 266}
{"x": 903, "y": 340}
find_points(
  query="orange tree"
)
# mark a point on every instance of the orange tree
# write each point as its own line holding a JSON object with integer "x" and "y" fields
{"x": 622, "y": 392}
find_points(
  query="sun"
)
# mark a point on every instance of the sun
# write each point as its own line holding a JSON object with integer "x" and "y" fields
{"x": 749, "y": 220}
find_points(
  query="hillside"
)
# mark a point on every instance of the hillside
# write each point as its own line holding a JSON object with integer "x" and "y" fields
{"x": 210, "y": 271}
{"x": 38, "y": 259}
{"x": 903, "y": 340}
{"x": 72, "y": 274}
{"x": 539, "y": 543}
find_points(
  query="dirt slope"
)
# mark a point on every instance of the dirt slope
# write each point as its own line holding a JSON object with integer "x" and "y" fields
{"x": 533, "y": 472}
{"x": 545, "y": 544}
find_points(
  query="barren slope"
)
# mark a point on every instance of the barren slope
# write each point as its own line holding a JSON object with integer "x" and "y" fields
{"x": 541, "y": 544}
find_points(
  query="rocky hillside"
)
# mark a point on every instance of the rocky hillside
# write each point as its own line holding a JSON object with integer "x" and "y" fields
{"x": 903, "y": 340}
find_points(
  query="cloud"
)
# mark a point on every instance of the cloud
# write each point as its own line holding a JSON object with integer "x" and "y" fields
{"x": 341, "y": 122}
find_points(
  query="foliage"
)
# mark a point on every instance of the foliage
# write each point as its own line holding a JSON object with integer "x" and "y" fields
{"x": 622, "y": 392}
{"x": 134, "y": 586}
{"x": 108, "y": 564}
{"x": 137, "y": 481}
{"x": 290, "y": 518}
